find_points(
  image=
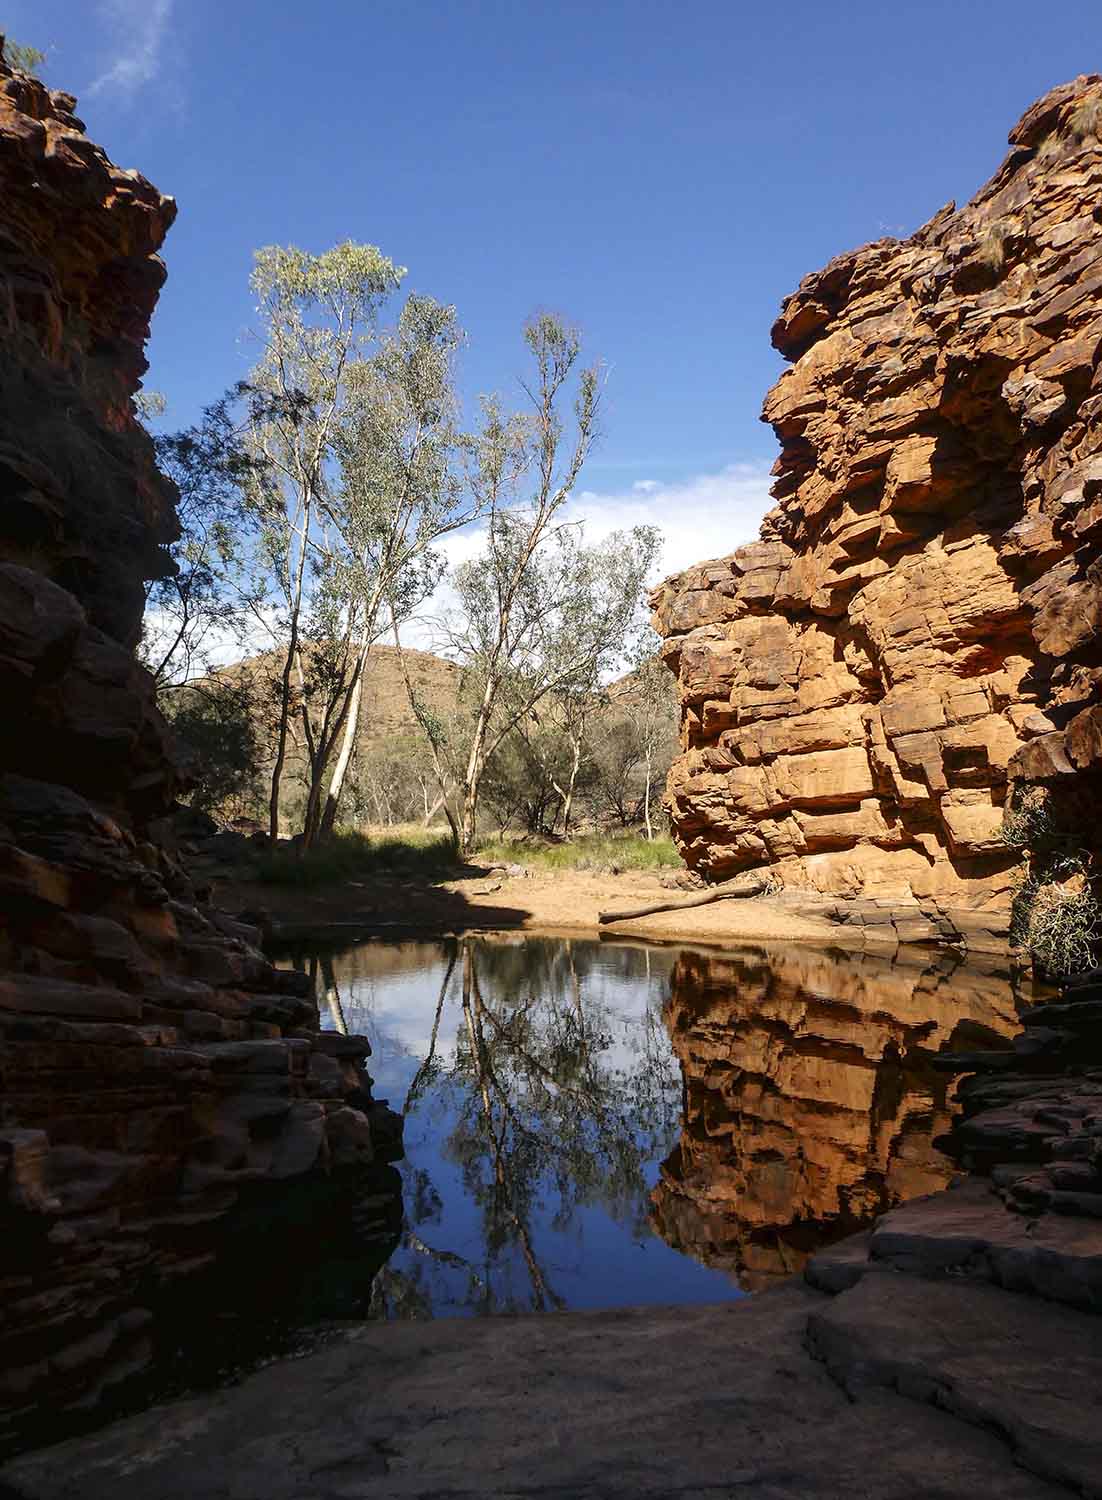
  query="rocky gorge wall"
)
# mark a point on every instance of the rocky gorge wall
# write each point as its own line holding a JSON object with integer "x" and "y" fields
{"x": 175, "y": 1134}
{"x": 920, "y": 624}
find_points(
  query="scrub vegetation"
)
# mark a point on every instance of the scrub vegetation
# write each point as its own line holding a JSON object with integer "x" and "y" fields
{"x": 1056, "y": 915}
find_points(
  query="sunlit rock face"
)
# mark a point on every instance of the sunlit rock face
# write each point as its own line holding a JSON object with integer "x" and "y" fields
{"x": 811, "y": 1102}
{"x": 174, "y": 1138}
{"x": 920, "y": 620}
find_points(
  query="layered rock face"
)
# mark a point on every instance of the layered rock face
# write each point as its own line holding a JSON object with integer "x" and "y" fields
{"x": 164, "y": 1091}
{"x": 920, "y": 620}
{"x": 806, "y": 1116}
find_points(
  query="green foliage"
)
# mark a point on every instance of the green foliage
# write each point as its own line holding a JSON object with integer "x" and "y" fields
{"x": 356, "y": 856}
{"x": 215, "y": 727}
{"x": 205, "y": 597}
{"x": 1029, "y": 821}
{"x": 1086, "y": 120}
{"x": 346, "y": 281}
{"x": 992, "y": 248}
{"x": 411, "y": 851}
{"x": 1060, "y": 926}
{"x": 21, "y": 58}
{"x": 149, "y": 404}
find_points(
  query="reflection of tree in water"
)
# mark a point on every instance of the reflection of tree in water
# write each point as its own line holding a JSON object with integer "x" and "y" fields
{"x": 543, "y": 1118}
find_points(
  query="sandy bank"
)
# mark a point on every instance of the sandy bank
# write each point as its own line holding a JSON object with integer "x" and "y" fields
{"x": 565, "y": 901}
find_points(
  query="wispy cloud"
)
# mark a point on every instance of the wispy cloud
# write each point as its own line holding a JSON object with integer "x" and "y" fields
{"x": 705, "y": 516}
{"x": 138, "y": 31}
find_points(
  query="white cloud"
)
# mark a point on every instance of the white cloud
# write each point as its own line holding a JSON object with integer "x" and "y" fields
{"x": 138, "y": 29}
{"x": 705, "y": 516}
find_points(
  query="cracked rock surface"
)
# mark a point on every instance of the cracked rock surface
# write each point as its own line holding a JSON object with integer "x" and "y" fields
{"x": 680, "y": 1401}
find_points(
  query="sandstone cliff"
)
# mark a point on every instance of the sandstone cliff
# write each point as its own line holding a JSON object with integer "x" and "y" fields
{"x": 163, "y": 1090}
{"x": 922, "y": 617}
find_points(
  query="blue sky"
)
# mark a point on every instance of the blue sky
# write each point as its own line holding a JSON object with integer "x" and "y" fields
{"x": 663, "y": 173}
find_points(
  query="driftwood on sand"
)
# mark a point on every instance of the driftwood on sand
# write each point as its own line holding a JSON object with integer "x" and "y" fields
{"x": 742, "y": 885}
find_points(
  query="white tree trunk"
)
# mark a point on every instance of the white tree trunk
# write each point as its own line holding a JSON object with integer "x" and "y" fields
{"x": 646, "y": 799}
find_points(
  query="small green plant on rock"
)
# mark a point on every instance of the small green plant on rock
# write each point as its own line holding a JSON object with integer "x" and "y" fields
{"x": 21, "y": 58}
{"x": 992, "y": 247}
{"x": 1086, "y": 119}
{"x": 1059, "y": 925}
{"x": 1055, "y": 914}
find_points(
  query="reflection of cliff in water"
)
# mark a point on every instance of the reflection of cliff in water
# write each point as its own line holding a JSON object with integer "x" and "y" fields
{"x": 810, "y": 1099}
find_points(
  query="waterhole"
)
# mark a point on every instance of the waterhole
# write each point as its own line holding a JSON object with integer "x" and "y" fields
{"x": 600, "y": 1124}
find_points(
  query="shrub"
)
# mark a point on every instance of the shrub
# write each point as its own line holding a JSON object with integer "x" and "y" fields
{"x": 992, "y": 247}
{"x": 217, "y": 735}
{"x": 1086, "y": 120}
{"x": 1059, "y": 925}
{"x": 593, "y": 851}
{"x": 1055, "y": 915}
{"x": 1029, "y": 821}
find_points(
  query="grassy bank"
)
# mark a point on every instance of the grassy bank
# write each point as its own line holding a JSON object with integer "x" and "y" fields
{"x": 589, "y": 851}
{"x": 410, "y": 851}
{"x": 359, "y": 856}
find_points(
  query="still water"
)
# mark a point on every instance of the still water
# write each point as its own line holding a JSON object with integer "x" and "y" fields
{"x": 599, "y": 1124}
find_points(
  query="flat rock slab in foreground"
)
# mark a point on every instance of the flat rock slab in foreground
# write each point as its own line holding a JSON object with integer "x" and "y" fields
{"x": 716, "y": 1401}
{"x": 1017, "y": 1365}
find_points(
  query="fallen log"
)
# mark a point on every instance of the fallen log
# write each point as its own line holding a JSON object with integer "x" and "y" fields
{"x": 743, "y": 885}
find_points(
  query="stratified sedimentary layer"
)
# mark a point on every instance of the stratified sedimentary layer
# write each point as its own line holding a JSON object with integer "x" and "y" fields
{"x": 920, "y": 620}
{"x": 811, "y": 1099}
{"x": 175, "y": 1137}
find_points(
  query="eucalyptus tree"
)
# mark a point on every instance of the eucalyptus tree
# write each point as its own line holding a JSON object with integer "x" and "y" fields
{"x": 401, "y": 490}
{"x": 318, "y": 317}
{"x": 544, "y": 621}
{"x": 653, "y": 714}
{"x": 203, "y": 610}
{"x": 522, "y": 473}
{"x": 365, "y": 474}
{"x": 206, "y": 603}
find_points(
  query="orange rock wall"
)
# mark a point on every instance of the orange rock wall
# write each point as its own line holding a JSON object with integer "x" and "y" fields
{"x": 921, "y": 618}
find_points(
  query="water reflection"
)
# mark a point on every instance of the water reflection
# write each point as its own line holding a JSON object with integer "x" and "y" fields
{"x": 540, "y": 1096}
{"x": 810, "y": 1101}
{"x": 598, "y": 1124}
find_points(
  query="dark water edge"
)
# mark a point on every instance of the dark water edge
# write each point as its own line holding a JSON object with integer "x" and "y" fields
{"x": 331, "y": 1238}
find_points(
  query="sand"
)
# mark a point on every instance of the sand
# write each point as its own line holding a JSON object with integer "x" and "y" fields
{"x": 558, "y": 901}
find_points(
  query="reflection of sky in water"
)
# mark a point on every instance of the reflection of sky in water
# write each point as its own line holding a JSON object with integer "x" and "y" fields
{"x": 530, "y": 1152}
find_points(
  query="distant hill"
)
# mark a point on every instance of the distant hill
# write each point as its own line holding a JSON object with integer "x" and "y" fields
{"x": 385, "y": 712}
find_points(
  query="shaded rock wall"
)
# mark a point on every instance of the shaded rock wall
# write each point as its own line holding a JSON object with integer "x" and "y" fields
{"x": 163, "y": 1090}
{"x": 812, "y": 1101}
{"x": 922, "y": 616}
